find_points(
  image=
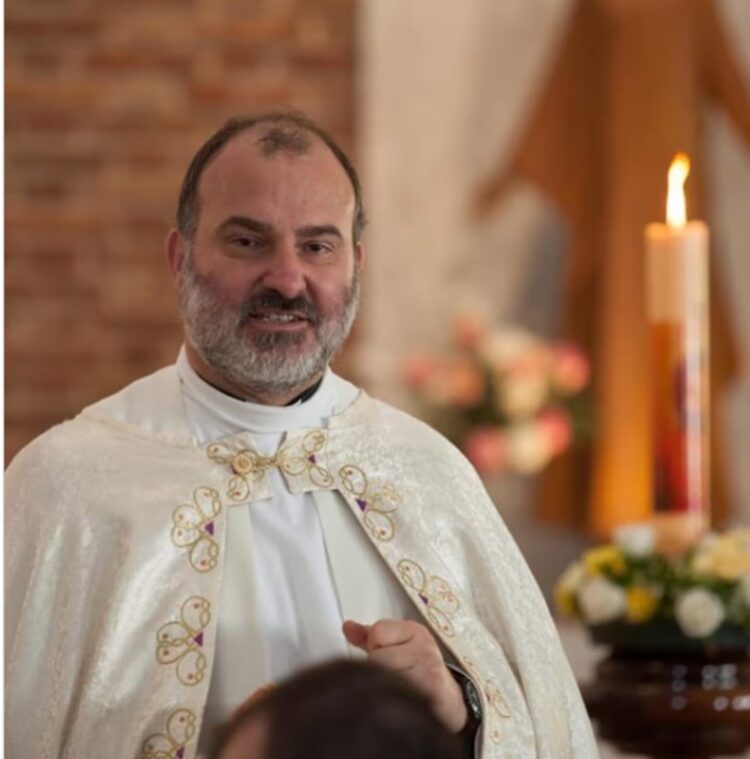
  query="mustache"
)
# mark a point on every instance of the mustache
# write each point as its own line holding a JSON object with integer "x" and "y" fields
{"x": 302, "y": 304}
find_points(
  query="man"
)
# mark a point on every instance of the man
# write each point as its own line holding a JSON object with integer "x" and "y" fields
{"x": 233, "y": 518}
{"x": 339, "y": 710}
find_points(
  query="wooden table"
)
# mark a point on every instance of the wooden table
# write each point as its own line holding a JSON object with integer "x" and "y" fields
{"x": 673, "y": 704}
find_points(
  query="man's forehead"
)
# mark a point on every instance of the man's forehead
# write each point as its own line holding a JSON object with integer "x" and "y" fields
{"x": 307, "y": 189}
{"x": 244, "y": 158}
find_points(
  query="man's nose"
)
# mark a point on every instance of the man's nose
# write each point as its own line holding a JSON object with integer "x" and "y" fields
{"x": 285, "y": 272}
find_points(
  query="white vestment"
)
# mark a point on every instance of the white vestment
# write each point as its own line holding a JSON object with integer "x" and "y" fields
{"x": 280, "y": 608}
{"x": 126, "y": 569}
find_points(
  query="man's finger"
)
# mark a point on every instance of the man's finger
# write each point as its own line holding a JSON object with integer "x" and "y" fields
{"x": 391, "y": 632}
{"x": 356, "y": 634}
{"x": 399, "y": 658}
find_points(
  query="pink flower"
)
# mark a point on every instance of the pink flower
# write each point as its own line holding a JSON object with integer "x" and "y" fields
{"x": 534, "y": 361}
{"x": 468, "y": 330}
{"x": 570, "y": 369}
{"x": 419, "y": 370}
{"x": 466, "y": 384}
{"x": 485, "y": 448}
{"x": 554, "y": 425}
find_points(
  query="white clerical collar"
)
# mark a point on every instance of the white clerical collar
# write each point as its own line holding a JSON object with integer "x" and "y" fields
{"x": 256, "y": 417}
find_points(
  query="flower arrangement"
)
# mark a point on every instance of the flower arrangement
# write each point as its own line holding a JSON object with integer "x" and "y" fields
{"x": 628, "y": 583}
{"x": 510, "y": 400}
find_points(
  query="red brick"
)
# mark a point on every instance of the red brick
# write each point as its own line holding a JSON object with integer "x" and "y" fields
{"x": 105, "y": 106}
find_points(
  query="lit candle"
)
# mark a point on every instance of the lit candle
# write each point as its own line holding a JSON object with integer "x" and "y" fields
{"x": 677, "y": 298}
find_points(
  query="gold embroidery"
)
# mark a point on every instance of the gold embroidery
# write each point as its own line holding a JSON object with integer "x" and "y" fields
{"x": 376, "y": 503}
{"x": 181, "y": 727}
{"x": 434, "y": 592}
{"x": 302, "y": 458}
{"x": 182, "y": 642}
{"x": 244, "y": 463}
{"x": 238, "y": 489}
{"x": 194, "y": 528}
{"x": 495, "y": 699}
{"x": 250, "y": 467}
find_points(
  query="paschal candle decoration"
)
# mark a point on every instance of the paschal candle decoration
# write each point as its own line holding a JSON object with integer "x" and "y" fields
{"x": 677, "y": 302}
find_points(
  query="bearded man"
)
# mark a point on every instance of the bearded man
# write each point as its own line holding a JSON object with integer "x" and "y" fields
{"x": 245, "y": 513}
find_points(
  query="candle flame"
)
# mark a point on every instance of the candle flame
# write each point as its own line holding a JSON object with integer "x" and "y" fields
{"x": 678, "y": 172}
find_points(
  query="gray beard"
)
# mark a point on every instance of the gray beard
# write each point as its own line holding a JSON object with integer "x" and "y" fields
{"x": 262, "y": 363}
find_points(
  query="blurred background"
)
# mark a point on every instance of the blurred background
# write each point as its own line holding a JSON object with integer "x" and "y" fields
{"x": 106, "y": 104}
{"x": 511, "y": 155}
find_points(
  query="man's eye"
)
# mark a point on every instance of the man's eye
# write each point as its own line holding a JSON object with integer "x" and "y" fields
{"x": 318, "y": 247}
{"x": 246, "y": 242}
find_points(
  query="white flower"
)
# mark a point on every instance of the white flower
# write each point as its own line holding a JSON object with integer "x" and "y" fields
{"x": 601, "y": 601}
{"x": 523, "y": 395}
{"x": 635, "y": 540}
{"x": 699, "y": 612}
{"x": 506, "y": 345}
{"x": 527, "y": 448}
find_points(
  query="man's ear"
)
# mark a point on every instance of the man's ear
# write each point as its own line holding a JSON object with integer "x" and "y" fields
{"x": 174, "y": 251}
{"x": 359, "y": 255}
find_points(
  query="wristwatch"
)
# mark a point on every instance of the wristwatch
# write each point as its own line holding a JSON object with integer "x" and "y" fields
{"x": 472, "y": 700}
{"x": 473, "y": 703}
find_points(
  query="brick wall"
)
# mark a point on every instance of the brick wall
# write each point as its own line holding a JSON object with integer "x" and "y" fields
{"x": 106, "y": 103}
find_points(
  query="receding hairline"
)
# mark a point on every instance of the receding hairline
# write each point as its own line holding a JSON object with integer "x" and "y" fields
{"x": 297, "y": 140}
{"x": 286, "y": 131}
{"x": 313, "y": 142}
{"x": 308, "y": 143}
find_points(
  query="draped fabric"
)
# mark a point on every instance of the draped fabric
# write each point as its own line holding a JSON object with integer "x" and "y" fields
{"x": 555, "y": 120}
{"x": 624, "y": 93}
{"x": 115, "y": 533}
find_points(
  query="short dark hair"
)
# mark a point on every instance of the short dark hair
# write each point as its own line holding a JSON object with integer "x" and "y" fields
{"x": 287, "y": 132}
{"x": 344, "y": 709}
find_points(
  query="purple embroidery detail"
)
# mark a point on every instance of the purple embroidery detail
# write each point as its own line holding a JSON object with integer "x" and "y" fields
{"x": 424, "y": 599}
{"x": 199, "y": 639}
{"x": 311, "y": 458}
{"x": 180, "y": 753}
{"x": 210, "y": 528}
{"x": 362, "y": 504}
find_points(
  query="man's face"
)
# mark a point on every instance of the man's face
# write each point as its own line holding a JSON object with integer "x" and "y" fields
{"x": 270, "y": 286}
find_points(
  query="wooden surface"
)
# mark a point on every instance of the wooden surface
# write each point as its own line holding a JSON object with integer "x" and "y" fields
{"x": 584, "y": 658}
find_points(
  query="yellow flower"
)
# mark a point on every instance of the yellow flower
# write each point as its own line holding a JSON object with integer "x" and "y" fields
{"x": 741, "y": 536}
{"x": 642, "y": 601}
{"x": 605, "y": 557}
{"x": 726, "y": 557}
{"x": 567, "y": 587}
{"x": 564, "y": 600}
{"x": 732, "y": 566}
{"x": 703, "y": 563}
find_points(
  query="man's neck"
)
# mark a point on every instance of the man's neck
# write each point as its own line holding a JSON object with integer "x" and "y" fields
{"x": 212, "y": 377}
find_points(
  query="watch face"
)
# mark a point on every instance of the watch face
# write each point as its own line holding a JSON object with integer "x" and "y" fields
{"x": 473, "y": 701}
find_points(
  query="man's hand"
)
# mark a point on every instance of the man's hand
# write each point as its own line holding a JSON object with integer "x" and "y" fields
{"x": 409, "y": 648}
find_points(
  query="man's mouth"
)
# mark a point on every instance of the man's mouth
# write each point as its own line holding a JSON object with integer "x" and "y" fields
{"x": 278, "y": 319}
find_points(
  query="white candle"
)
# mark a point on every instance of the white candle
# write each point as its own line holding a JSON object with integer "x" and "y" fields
{"x": 677, "y": 302}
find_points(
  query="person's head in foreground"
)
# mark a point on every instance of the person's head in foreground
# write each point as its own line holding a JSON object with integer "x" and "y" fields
{"x": 267, "y": 255}
{"x": 339, "y": 710}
